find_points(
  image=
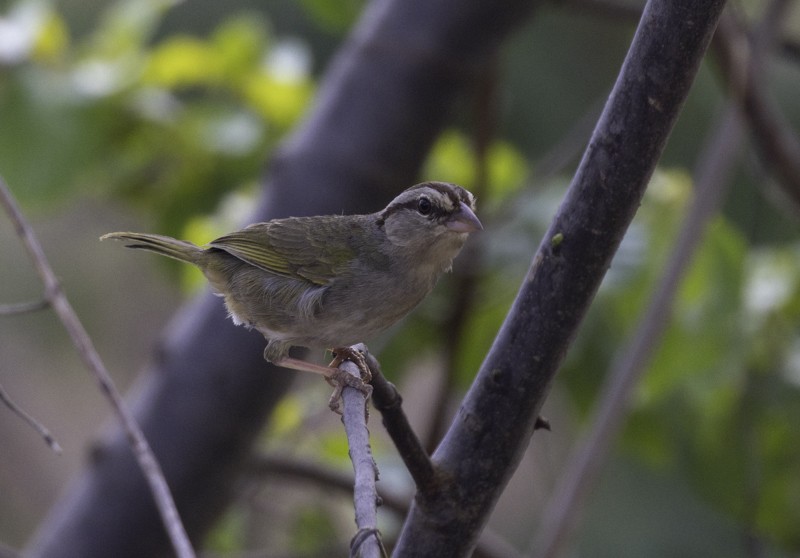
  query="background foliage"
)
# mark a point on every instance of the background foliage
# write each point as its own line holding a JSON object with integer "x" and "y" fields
{"x": 160, "y": 116}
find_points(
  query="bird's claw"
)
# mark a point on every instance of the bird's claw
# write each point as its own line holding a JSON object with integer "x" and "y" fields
{"x": 341, "y": 378}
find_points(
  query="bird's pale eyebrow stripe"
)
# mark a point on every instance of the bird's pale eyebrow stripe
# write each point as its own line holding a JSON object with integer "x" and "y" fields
{"x": 454, "y": 196}
{"x": 413, "y": 203}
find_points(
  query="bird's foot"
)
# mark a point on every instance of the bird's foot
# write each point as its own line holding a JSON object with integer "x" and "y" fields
{"x": 341, "y": 378}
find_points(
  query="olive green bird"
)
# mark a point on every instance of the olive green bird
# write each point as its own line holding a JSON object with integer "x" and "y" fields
{"x": 330, "y": 281}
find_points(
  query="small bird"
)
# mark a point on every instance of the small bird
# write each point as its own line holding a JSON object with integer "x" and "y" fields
{"x": 330, "y": 281}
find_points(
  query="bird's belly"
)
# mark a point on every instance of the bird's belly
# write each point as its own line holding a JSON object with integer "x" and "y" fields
{"x": 340, "y": 314}
{"x": 353, "y": 319}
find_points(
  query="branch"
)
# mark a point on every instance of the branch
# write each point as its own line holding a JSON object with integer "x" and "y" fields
{"x": 583, "y": 468}
{"x": 388, "y": 401}
{"x": 743, "y": 63}
{"x": 306, "y": 471}
{"x": 589, "y": 458}
{"x": 309, "y": 471}
{"x": 32, "y": 422}
{"x": 23, "y": 307}
{"x": 497, "y": 418}
{"x": 366, "y": 542}
{"x": 91, "y": 359}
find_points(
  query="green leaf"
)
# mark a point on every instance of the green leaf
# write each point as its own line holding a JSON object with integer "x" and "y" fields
{"x": 183, "y": 61}
{"x": 334, "y": 16}
{"x": 452, "y": 159}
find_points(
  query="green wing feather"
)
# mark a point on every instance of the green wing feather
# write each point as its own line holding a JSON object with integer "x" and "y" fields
{"x": 315, "y": 249}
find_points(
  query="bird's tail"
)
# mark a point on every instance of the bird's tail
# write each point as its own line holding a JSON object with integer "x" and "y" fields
{"x": 164, "y": 245}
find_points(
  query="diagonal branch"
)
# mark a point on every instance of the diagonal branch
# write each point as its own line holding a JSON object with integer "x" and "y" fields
{"x": 584, "y": 466}
{"x": 743, "y": 63}
{"x": 91, "y": 359}
{"x": 711, "y": 178}
{"x": 497, "y": 418}
{"x": 388, "y": 401}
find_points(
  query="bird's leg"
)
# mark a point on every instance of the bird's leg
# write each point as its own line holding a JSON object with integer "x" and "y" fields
{"x": 297, "y": 364}
{"x": 333, "y": 375}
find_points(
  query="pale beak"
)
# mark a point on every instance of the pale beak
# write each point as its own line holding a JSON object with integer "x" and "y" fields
{"x": 463, "y": 220}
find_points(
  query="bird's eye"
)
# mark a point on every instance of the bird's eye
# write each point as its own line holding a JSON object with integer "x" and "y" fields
{"x": 424, "y": 206}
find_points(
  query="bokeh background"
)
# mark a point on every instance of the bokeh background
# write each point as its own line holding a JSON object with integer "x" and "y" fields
{"x": 160, "y": 116}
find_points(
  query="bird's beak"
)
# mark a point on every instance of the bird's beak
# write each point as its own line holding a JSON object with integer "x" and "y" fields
{"x": 463, "y": 220}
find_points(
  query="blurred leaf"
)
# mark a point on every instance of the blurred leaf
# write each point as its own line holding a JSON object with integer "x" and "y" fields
{"x": 507, "y": 169}
{"x": 126, "y": 26}
{"x": 492, "y": 302}
{"x": 52, "y": 41}
{"x": 278, "y": 101}
{"x": 452, "y": 159}
{"x": 241, "y": 43}
{"x": 312, "y": 531}
{"x": 286, "y": 417}
{"x": 229, "y": 532}
{"x": 182, "y": 62}
{"x": 334, "y": 16}
{"x": 704, "y": 334}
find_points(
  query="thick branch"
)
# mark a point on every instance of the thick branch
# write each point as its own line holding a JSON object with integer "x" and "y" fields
{"x": 711, "y": 178}
{"x": 589, "y": 459}
{"x": 497, "y": 418}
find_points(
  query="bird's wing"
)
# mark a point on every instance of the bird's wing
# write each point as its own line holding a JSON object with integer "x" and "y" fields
{"x": 299, "y": 248}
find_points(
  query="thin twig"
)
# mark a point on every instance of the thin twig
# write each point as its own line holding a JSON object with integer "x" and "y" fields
{"x": 366, "y": 542}
{"x": 23, "y": 307}
{"x": 35, "y": 424}
{"x": 388, "y": 401}
{"x": 743, "y": 63}
{"x": 309, "y": 471}
{"x": 584, "y": 466}
{"x": 87, "y": 352}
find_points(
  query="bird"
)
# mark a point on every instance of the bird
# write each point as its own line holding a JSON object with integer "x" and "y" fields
{"x": 334, "y": 280}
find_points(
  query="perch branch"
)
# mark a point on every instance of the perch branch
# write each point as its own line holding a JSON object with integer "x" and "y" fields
{"x": 91, "y": 359}
{"x": 366, "y": 542}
